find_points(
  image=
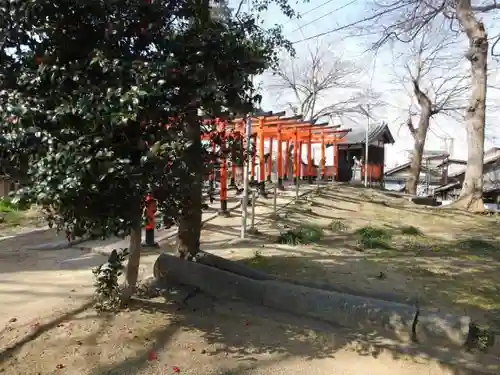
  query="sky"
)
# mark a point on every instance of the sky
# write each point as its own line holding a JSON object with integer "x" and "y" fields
{"x": 379, "y": 73}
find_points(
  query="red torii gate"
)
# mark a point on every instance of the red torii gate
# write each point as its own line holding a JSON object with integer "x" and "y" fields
{"x": 289, "y": 130}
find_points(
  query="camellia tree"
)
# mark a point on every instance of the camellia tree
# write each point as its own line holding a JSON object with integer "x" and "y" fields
{"x": 100, "y": 102}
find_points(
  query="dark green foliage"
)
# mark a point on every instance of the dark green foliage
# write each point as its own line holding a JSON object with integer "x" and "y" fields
{"x": 337, "y": 226}
{"x": 6, "y": 205}
{"x": 373, "y": 238}
{"x": 303, "y": 235}
{"x": 411, "y": 231}
{"x": 87, "y": 87}
{"x": 480, "y": 337}
{"x": 107, "y": 290}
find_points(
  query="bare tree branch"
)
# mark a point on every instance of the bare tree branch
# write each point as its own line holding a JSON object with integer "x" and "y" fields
{"x": 313, "y": 86}
{"x": 461, "y": 17}
{"x": 433, "y": 77}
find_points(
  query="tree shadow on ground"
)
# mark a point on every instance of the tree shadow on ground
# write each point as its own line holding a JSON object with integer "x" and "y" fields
{"x": 38, "y": 329}
{"x": 232, "y": 334}
{"x": 248, "y": 334}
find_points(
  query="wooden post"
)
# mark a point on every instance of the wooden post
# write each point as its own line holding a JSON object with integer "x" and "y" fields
{"x": 254, "y": 161}
{"x": 232, "y": 181}
{"x": 335, "y": 169}
{"x": 295, "y": 156}
{"x": 262, "y": 164}
{"x": 223, "y": 174}
{"x": 323, "y": 161}
{"x": 309, "y": 157}
{"x": 279, "y": 158}
{"x": 252, "y": 219}
{"x": 287, "y": 150}
{"x": 211, "y": 178}
{"x": 270, "y": 160}
{"x": 297, "y": 188}
{"x": 275, "y": 197}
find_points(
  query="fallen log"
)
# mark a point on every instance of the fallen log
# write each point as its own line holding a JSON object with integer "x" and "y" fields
{"x": 228, "y": 279}
{"x": 227, "y": 265}
{"x": 337, "y": 308}
{"x": 252, "y": 273}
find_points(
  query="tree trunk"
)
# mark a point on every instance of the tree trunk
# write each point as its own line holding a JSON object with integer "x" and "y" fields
{"x": 134, "y": 259}
{"x": 419, "y": 136}
{"x": 415, "y": 167}
{"x": 188, "y": 235}
{"x": 471, "y": 196}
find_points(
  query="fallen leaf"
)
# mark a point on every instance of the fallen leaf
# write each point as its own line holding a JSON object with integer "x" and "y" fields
{"x": 152, "y": 356}
{"x": 176, "y": 369}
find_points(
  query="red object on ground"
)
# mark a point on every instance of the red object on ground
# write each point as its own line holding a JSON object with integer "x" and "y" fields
{"x": 176, "y": 369}
{"x": 152, "y": 356}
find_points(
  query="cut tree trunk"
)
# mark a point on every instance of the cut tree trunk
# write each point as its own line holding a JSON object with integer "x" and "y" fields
{"x": 188, "y": 235}
{"x": 252, "y": 273}
{"x": 134, "y": 259}
{"x": 342, "y": 309}
{"x": 471, "y": 196}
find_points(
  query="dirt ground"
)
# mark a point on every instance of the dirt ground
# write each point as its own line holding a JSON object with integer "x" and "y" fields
{"x": 47, "y": 326}
{"x": 444, "y": 259}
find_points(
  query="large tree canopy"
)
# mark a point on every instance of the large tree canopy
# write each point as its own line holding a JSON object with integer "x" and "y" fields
{"x": 87, "y": 86}
{"x": 99, "y": 102}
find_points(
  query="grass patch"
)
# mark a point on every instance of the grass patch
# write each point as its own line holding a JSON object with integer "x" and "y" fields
{"x": 373, "y": 238}
{"x": 7, "y": 205}
{"x": 11, "y": 219}
{"x": 411, "y": 231}
{"x": 11, "y": 214}
{"x": 293, "y": 267}
{"x": 477, "y": 244}
{"x": 337, "y": 226}
{"x": 303, "y": 235}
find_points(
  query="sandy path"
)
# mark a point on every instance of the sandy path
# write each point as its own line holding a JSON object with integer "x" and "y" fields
{"x": 38, "y": 284}
{"x": 205, "y": 337}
